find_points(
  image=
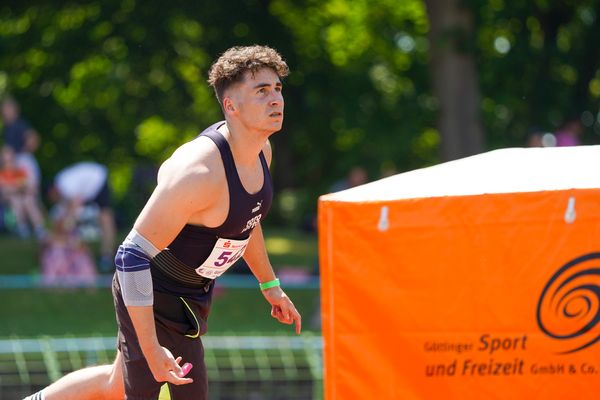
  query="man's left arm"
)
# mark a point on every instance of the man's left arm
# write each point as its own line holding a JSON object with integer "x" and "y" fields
{"x": 257, "y": 259}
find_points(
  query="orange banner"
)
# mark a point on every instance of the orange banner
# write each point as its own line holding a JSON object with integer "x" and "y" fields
{"x": 491, "y": 296}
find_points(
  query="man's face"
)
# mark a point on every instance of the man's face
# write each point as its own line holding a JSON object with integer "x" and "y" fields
{"x": 257, "y": 101}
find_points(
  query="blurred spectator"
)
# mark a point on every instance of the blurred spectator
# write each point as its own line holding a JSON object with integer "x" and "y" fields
{"x": 569, "y": 133}
{"x": 539, "y": 138}
{"x": 22, "y": 139}
{"x": 65, "y": 259}
{"x": 535, "y": 139}
{"x": 83, "y": 186}
{"x": 19, "y": 196}
{"x": 356, "y": 176}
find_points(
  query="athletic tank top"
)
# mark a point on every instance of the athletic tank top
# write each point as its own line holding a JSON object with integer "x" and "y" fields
{"x": 194, "y": 244}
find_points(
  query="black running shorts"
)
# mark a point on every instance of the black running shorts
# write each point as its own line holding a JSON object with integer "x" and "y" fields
{"x": 179, "y": 324}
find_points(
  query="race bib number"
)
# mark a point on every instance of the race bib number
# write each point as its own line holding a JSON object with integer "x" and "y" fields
{"x": 224, "y": 254}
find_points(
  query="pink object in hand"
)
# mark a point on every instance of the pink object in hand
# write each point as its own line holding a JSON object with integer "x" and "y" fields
{"x": 186, "y": 368}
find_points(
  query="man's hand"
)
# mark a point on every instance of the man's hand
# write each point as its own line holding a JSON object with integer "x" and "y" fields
{"x": 282, "y": 308}
{"x": 162, "y": 364}
{"x": 165, "y": 368}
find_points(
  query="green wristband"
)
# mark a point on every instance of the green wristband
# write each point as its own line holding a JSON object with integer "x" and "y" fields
{"x": 270, "y": 284}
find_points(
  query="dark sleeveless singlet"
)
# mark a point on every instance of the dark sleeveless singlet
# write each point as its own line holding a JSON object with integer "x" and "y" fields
{"x": 193, "y": 244}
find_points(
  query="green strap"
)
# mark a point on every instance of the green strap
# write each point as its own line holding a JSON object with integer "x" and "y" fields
{"x": 270, "y": 284}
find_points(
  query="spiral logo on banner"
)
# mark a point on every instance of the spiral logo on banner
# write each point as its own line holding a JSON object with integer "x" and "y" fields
{"x": 569, "y": 306}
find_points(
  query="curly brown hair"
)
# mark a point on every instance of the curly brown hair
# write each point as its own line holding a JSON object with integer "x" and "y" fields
{"x": 231, "y": 66}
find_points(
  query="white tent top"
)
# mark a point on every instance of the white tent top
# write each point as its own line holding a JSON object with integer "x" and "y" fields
{"x": 500, "y": 171}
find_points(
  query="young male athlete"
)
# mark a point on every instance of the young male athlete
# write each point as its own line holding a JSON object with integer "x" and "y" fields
{"x": 204, "y": 214}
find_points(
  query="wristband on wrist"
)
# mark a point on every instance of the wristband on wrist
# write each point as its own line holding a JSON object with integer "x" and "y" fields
{"x": 269, "y": 284}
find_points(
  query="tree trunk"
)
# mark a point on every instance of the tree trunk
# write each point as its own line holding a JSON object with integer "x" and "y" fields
{"x": 455, "y": 79}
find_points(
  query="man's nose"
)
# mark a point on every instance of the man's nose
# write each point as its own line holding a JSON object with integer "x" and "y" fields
{"x": 276, "y": 99}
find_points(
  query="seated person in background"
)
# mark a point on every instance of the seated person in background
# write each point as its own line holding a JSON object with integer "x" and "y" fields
{"x": 538, "y": 138}
{"x": 356, "y": 176}
{"x": 22, "y": 139}
{"x": 65, "y": 259}
{"x": 19, "y": 195}
{"x": 87, "y": 183}
{"x": 569, "y": 133}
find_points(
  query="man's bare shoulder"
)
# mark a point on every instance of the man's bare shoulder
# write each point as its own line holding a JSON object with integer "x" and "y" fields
{"x": 197, "y": 162}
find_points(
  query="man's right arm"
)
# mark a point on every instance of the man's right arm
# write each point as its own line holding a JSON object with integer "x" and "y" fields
{"x": 169, "y": 208}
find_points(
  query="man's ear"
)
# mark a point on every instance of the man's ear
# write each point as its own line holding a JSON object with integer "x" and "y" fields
{"x": 228, "y": 105}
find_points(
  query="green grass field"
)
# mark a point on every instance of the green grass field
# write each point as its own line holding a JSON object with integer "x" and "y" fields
{"x": 34, "y": 312}
{"x": 286, "y": 248}
{"x": 54, "y": 312}
{"x": 18, "y": 256}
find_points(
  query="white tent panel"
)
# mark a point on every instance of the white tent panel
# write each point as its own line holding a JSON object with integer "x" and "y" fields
{"x": 510, "y": 170}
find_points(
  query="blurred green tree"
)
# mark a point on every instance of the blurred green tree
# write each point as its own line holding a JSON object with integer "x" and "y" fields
{"x": 538, "y": 66}
{"x": 455, "y": 78}
{"x": 123, "y": 81}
